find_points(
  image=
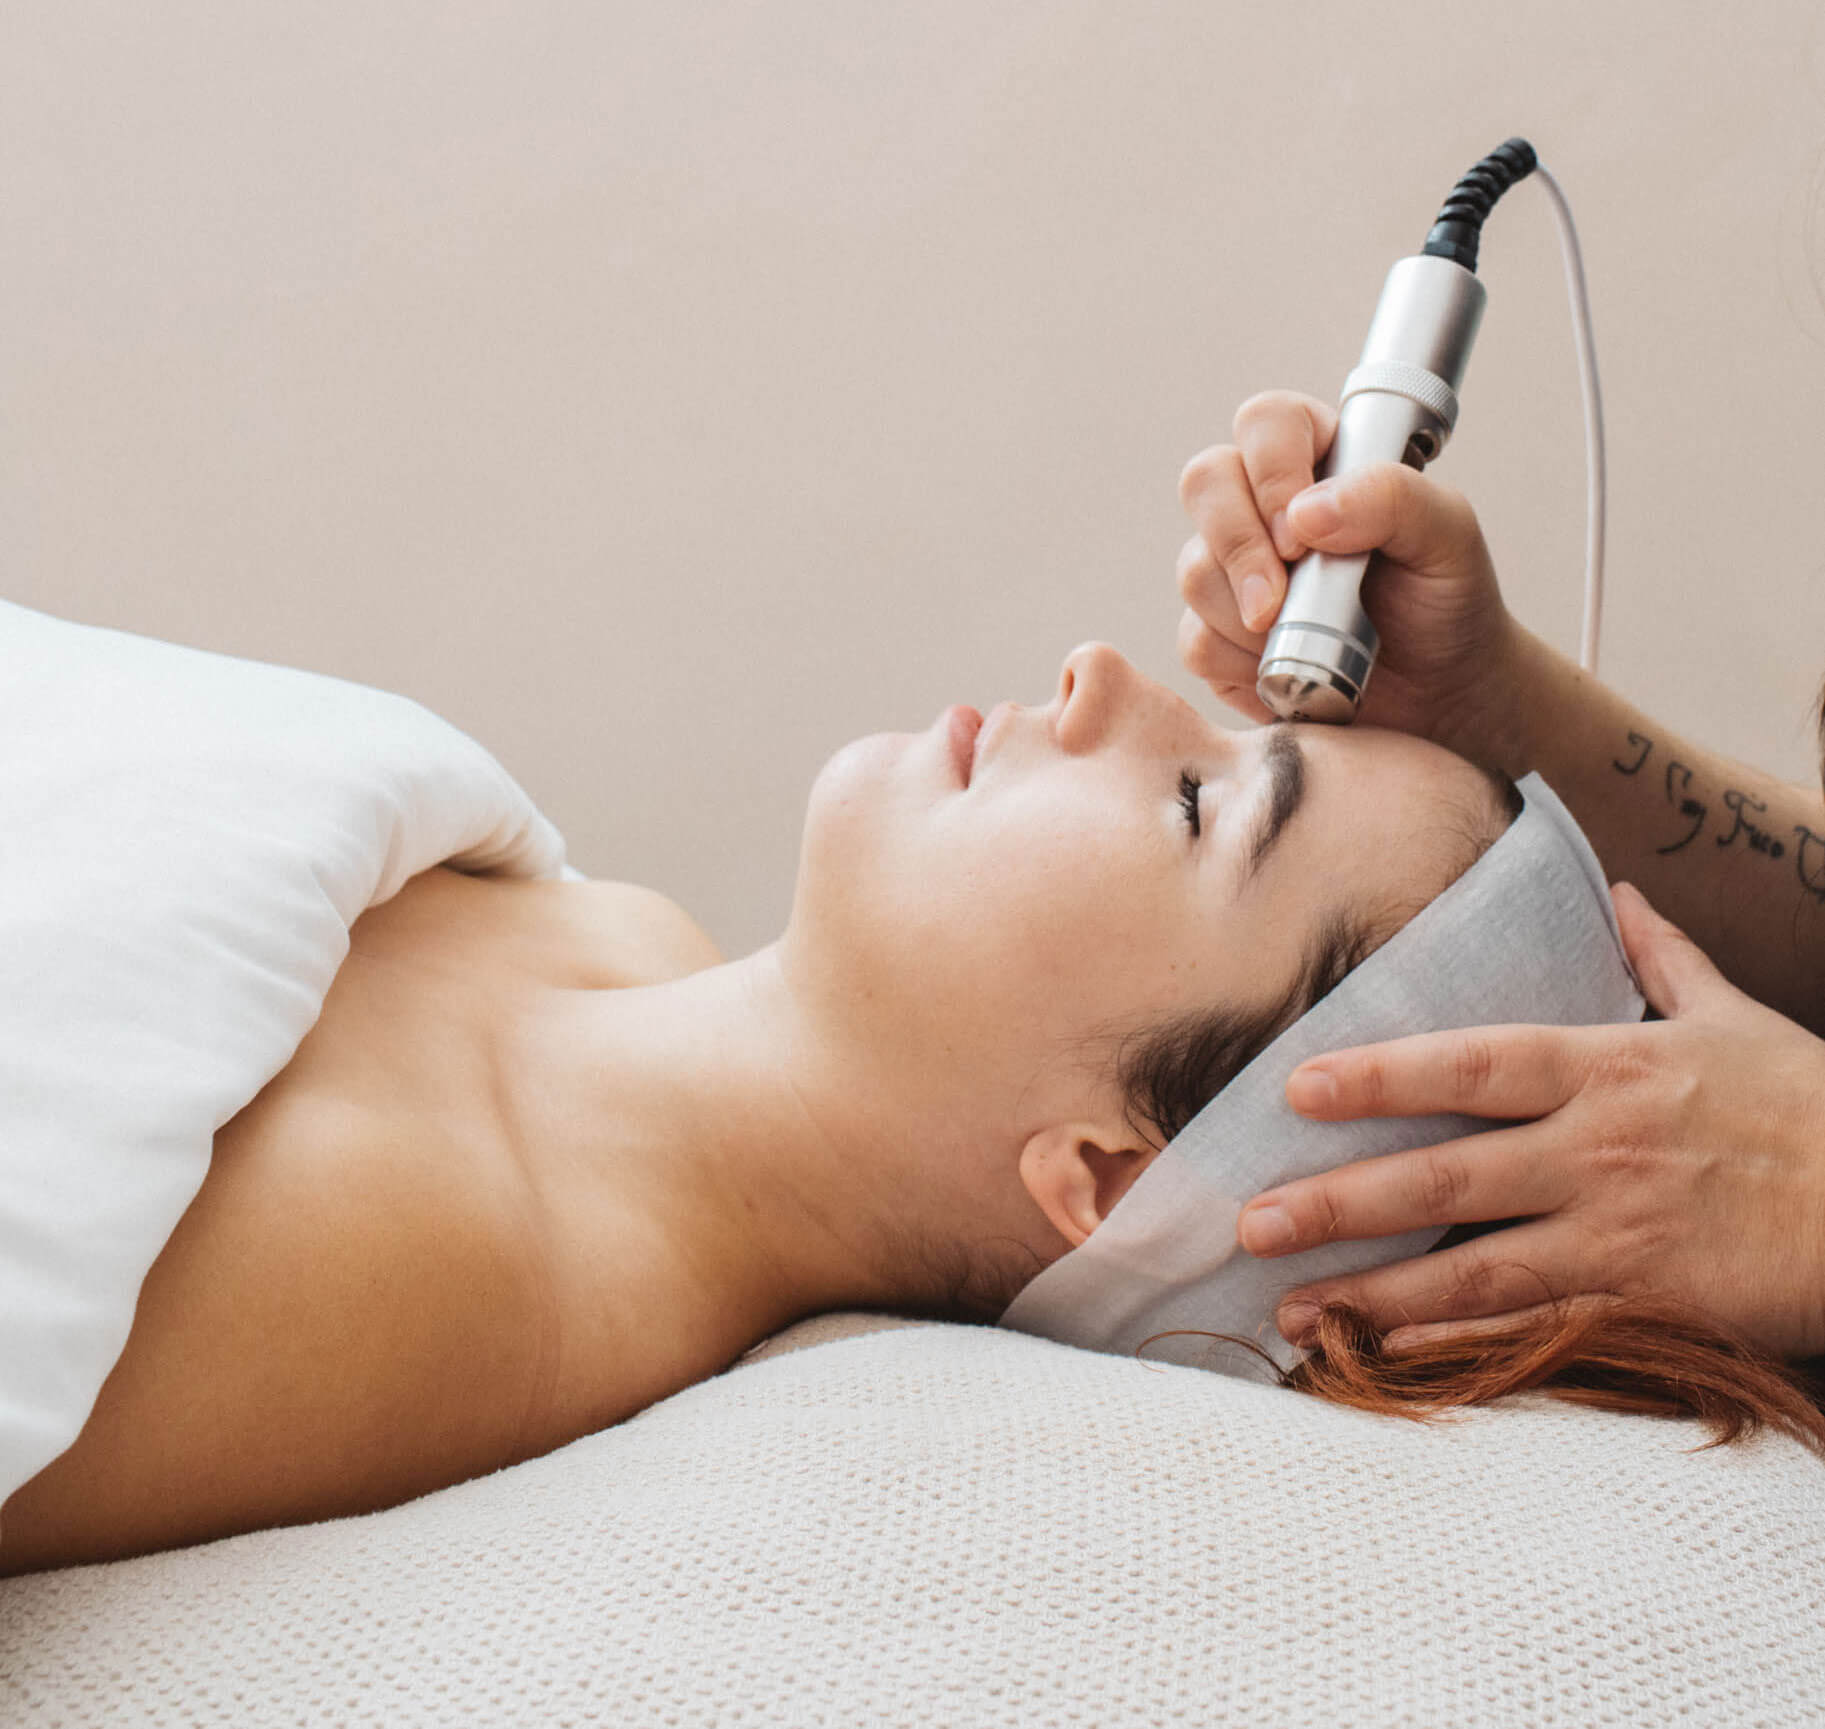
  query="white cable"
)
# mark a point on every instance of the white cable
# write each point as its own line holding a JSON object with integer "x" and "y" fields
{"x": 1593, "y": 420}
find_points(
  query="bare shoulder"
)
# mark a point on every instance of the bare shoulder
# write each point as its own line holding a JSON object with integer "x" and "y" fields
{"x": 646, "y": 925}
{"x": 577, "y": 935}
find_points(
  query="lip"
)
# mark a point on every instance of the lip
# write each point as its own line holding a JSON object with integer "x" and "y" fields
{"x": 988, "y": 726}
{"x": 962, "y": 724}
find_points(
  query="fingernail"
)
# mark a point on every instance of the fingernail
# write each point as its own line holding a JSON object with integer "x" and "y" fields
{"x": 1318, "y": 509}
{"x": 1311, "y": 1090}
{"x": 1286, "y": 543}
{"x": 1295, "y": 1322}
{"x": 1266, "y": 1230}
{"x": 1257, "y": 601}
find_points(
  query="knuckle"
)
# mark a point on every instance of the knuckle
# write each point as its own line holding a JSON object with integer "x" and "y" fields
{"x": 1248, "y": 411}
{"x": 1212, "y": 656}
{"x": 1633, "y": 1249}
{"x": 1245, "y": 552}
{"x": 1229, "y": 524}
{"x": 1196, "y": 475}
{"x": 1473, "y": 1063}
{"x": 1367, "y": 1086}
{"x": 1683, "y": 1094}
{"x": 1442, "y": 1184}
{"x": 1456, "y": 518}
{"x": 1195, "y": 569}
{"x": 1197, "y": 644}
{"x": 1472, "y": 1289}
{"x": 1399, "y": 496}
{"x": 1229, "y": 668}
{"x": 1264, "y": 406}
{"x": 1620, "y": 1156}
{"x": 1323, "y": 1219}
{"x": 1620, "y": 1064}
{"x": 1275, "y": 431}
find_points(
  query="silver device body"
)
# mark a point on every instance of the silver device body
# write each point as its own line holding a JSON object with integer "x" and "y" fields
{"x": 1399, "y": 405}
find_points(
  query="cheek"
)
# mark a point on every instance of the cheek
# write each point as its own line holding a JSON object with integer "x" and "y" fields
{"x": 1068, "y": 923}
{"x": 1028, "y": 913}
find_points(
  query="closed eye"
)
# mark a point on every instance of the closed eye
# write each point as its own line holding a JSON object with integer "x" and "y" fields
{"x": 1188, "y": 797}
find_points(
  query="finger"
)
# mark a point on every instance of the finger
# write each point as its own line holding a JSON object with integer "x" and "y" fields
{"x": 1206, "y": 590}
{"x": 1411, "y": 519}
{"x": 1500, "y": 1174}
{"x": 1283, "y": 436}
{"x": 1518, "y": 1268}
{"x": 1404, "y": 1339}
{"x": 1676, "y": 974}
{"x": 1217, "y": 493}
{"x": 1518, "y": 1071}
{"x": 1230, "y": 671}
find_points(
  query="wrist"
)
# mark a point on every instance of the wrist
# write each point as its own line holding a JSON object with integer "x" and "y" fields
{"x": 1491, "y": 723}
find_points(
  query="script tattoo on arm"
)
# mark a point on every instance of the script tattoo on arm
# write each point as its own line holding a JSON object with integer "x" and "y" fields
{"x": 1811, "y": 864}
{"x": 1688, "y": 806}
{"x": 1621, "y": 767}
{"x": 1745, "y": 808}
{"x": 1759, "y": 838}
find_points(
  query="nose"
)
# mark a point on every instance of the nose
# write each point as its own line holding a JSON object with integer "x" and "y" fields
{"x": 1093, "y": 687}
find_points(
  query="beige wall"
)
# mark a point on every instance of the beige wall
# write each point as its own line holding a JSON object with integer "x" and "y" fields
{"x": 670, "y": 393}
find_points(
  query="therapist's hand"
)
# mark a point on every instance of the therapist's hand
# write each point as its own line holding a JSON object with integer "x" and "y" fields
{"x": 1681, "y": 1158}
{"x": 1448, "y": 660}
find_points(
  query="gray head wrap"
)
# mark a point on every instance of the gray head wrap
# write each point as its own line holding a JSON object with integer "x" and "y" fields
{"x": 1527, "y": 934}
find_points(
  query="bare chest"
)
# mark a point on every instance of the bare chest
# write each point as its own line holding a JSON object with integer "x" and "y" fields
{"x": 395, "y": 1120}
{"x": 410, "y": 1041}
{"x": 357, "y": 1306}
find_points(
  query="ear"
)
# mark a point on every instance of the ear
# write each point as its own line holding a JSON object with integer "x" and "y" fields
{"x": 1076, "y": 1172}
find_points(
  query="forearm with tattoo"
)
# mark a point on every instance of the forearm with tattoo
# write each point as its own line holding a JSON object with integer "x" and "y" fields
{"x": 1694, "y": 814}
{"x": 1733, "y": 856}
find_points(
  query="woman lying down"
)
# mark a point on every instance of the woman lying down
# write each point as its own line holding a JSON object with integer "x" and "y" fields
{"x": 546, "y": 1157}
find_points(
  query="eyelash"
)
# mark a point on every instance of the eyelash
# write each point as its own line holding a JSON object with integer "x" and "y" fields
{"x": 1188, "y": 798}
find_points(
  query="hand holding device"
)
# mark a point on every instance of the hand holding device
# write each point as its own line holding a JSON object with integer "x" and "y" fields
{"x": 1398, "y": 407}
{"x": 1446, "y": 633}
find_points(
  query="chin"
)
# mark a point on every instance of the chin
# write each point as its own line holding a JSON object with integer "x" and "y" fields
{"x": 861, "y": 774}
{"x": 846, "y": 812}
{"x": 867, "y": 825}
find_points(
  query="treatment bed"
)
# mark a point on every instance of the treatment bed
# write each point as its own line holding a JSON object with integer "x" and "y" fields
{"x": 863, "y": 1521}
{"x": 874, "y": 1522}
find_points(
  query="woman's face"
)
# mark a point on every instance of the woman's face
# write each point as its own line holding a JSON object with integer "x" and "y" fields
{"x": 975, "y": 923}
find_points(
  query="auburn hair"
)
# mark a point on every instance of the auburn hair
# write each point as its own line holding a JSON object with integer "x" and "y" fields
{"x": 1654, "y": 1356}
{"x": 1650, "y": 1356}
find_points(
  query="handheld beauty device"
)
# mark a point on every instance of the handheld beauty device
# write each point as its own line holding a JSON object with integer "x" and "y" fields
{"x": 1400, "y": 405}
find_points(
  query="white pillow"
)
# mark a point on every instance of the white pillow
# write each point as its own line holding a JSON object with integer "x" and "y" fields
{"x": 188, "y": 838}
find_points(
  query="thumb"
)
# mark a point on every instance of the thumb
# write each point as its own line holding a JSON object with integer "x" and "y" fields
{"x": 1675, "y": 973}
{"x": 1392, "y": 509}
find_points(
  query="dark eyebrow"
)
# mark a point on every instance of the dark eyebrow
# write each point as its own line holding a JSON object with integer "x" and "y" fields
{"x": 1285, "y": 762}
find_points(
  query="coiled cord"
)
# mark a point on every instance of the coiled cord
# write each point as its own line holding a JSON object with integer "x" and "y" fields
{"x": 1460, "y": 219}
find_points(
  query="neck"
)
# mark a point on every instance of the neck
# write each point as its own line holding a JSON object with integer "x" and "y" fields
{"x": 712, "y": 1167}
